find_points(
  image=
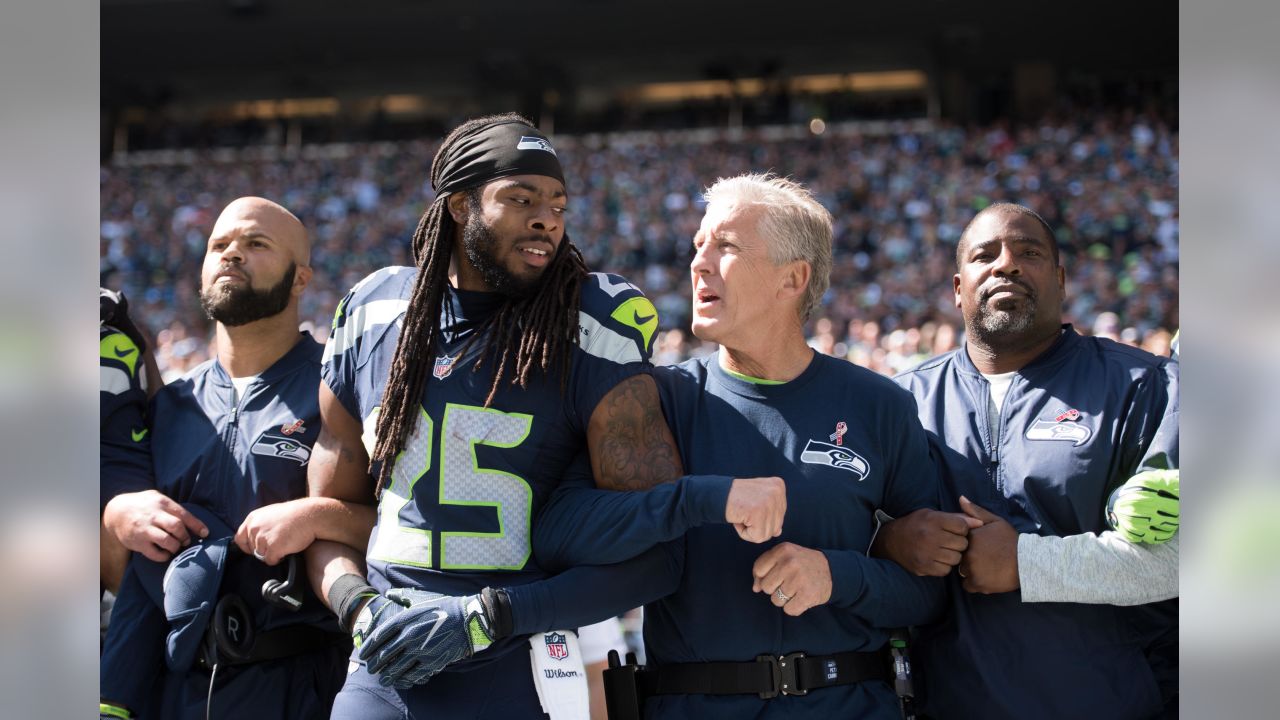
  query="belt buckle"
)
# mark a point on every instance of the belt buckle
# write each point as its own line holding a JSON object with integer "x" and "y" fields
{"x": 783, "y": 675}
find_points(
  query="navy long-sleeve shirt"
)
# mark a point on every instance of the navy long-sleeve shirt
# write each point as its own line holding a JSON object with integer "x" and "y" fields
{"x": 125, "y": 448}
{"x": 846, "y": 442}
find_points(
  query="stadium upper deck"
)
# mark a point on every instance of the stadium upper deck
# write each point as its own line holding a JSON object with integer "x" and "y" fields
{"x": 900, "y": 194}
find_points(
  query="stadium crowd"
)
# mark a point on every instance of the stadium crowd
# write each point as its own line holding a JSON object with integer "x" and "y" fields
{"x": 900, "y": 194}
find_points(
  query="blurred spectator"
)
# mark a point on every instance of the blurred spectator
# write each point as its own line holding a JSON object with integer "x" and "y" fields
{"x": 900, "y": 196}
{"x": 944, "y": 340}
{"x": 1107, "y": 325}
{"x": 1157, "y": 342}
{"x": 671, "y": 347}
{"x": 823, "y": 340}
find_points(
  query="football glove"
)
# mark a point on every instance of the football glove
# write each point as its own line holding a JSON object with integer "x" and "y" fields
{"x": 377, "y": 611}
{"x": 428, "y": 633}
{"x": 113, "y": 310}
{"x": 1145, "y": 509}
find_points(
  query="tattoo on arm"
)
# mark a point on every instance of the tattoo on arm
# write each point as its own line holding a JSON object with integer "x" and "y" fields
{"x": 631, "y": 446}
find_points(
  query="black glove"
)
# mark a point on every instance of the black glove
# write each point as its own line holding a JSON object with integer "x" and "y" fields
{"x": 113, "y": 310}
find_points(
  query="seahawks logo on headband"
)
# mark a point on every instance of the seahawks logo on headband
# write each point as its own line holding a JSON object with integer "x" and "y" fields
{"x": 534, "y": 143}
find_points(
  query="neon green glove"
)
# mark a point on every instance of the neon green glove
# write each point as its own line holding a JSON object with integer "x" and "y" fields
{"x": 111, "y": 711}
{"x": 1145, "y": 509}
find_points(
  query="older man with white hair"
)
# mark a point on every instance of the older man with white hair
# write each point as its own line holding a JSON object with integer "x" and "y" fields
{"x": 798, "y": 626}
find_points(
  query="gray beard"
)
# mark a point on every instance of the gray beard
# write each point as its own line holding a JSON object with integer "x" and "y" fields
{"x": 1003, "y": 328}
{"x": 1004, "y": 322}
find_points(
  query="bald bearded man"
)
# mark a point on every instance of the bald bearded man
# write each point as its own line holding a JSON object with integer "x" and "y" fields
{"x": 209, "y": 627}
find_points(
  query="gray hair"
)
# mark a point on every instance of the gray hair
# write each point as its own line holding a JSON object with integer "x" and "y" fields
{"x": 795, "y": 226}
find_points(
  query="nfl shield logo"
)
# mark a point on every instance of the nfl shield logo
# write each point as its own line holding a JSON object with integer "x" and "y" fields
{"x": 444, "y": 366}
{"x": 557, "y": 647}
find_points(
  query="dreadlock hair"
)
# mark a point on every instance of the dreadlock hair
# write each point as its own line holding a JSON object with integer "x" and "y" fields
{"x": 525, "y": 335}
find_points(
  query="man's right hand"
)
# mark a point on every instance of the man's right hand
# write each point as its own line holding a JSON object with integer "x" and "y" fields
{"x": 925, "y": 542}
{"x": 151, "y": 523}
{"x": 411, "y": 635}
{"x": 756, "y": 507}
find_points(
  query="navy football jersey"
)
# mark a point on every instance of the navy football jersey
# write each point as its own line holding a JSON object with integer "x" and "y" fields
{"x": 125, "y": 448}
{"x": 456, "y": 515}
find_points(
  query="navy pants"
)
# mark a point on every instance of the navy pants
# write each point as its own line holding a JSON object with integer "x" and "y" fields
{"x": 302, "y": 686}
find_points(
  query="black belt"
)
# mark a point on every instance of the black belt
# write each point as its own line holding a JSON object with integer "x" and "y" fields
{"x": 281, "y": 643}
{"x": 768, "y": 676}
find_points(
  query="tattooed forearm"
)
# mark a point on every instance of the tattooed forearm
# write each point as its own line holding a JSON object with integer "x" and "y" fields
{"x": 631, "y": 446}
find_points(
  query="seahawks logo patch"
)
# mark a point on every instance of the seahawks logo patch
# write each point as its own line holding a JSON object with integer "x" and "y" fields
{"x": 534, "y": 143}
{"x": 274, "y": 444}
{"x": 836, "y": 456}
{"x": 1076, "y": 434}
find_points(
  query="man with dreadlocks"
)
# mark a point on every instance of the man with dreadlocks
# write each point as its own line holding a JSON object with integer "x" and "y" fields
{"x": 513, "y": 355}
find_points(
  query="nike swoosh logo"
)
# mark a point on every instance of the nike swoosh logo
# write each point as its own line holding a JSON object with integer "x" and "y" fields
{"x": 138, "y": 434}
{"x": 126, "y": 353}
{"x": 441, "y": 616}
{"x": 641, "y": 320}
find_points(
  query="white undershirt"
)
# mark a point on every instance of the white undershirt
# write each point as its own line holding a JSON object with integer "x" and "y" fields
{"x": 999, "y": 387}
{"x": 240, "y": 384}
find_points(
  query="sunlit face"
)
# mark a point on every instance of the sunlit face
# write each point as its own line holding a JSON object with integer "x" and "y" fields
{"x": 735, "y": 283}
{"x": 1009, "y": 281}
{"x": 510, "y": 233}
{"x": 249, "y": 271}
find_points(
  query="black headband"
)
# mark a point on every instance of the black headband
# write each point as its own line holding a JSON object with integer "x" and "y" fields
{"x": 496, "y": 151}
